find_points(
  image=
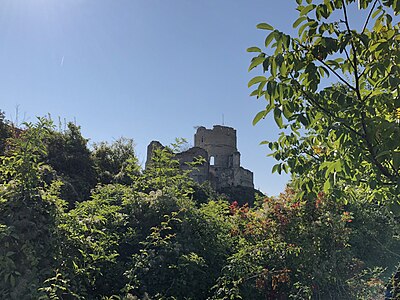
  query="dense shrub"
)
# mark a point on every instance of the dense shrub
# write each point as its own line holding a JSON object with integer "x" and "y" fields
{"x": 147, "y": 236}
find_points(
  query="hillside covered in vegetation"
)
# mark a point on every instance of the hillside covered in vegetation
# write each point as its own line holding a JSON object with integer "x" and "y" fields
{"x": 80, "y": 223}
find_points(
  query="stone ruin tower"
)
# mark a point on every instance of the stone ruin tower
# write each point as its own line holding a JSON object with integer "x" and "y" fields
{"x": 223, "y": 157}
{"x": 218, "y": 146}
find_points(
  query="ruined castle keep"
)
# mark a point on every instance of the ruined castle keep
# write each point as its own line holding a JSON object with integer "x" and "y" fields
{"x": 218, "y": 147}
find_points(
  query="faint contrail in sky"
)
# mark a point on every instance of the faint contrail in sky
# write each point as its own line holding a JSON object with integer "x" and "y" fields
{"x": 62, "y": 61}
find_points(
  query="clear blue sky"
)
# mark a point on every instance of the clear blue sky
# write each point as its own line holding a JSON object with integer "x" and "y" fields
{"x": 143, "y": 69}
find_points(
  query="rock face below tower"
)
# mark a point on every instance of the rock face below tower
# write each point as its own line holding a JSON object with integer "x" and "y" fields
{"x": 218, "y": 146}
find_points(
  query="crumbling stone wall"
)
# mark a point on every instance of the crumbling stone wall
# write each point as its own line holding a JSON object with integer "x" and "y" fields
{"x": 200, "y": 172}
{"x": 221, "y": 167}
{"x": 220, "y": 142}
{"x": 150, "y": 148}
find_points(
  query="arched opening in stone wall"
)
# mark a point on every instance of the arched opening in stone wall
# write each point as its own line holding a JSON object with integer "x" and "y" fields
{"x": 211, "y": 160}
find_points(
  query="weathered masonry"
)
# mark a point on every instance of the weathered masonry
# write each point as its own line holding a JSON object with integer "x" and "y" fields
{"x": 218, "y": 146}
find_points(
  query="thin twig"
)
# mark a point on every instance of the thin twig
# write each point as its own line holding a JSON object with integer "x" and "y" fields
{"x": 365, "y": 136}
{"x": 371, "y": 150}
{"x": 329, "y": 67}
{"x": 369, "y": 16}
{"x": 371, "y": 92}
{"x": 327, "y": 112}
{"x": 348, "y": 58}
{"x": 355, "y": 60}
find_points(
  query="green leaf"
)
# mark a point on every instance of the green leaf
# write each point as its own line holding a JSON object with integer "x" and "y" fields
{"x": 396, "y": 7}
{"x": 75, "y": 265}
{"x": 265, "y": 26}
{"x": 255, "y": 62}
{"x": 327, "y": 185}
{"x": 253, "y": 49}
{"x": 303, "y": 120}
{"x": 303, "y": 27}
{"x": 396, "y": 160}
{"x": 12, "y": 280}
{"x": 376, "y": 12}
{"x": 395, "y": 208}
{"x": 259, "y": 116}
{"x": 286, "y": 168}
{"x": 298, "y": 21}
{"x": 287, "y": 112}
{"x": 278, "y": 117}
{"x": 383, "y": 153}
{"x": 307, "y": 9}
{"x": 273, "y": 67}
{"x": 269, "y": 38}
{"x": 256, "y": 79}
{"x": 260, "y": 89}
{"x": 283, "y": 70}
{"x": 254, "y": 93}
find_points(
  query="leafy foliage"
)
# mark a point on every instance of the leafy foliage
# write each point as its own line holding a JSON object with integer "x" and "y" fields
{"x": 302, "y": 250}
{"x": 28, "y": 215}
{"x": 112, "y": 162}
{"x": 351, "y": 128}
{"x": 158, "y": 243}
{"x": 5, "y": 132}
{"x": 148, "y": 237}
{"x": 344, "y": 135}
{"x": 70, "y": 158}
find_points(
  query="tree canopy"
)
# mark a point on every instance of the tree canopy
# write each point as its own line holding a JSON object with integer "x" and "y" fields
{"x": 334, "y": 91}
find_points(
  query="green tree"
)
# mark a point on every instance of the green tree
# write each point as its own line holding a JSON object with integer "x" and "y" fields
{"x": 5, "y": 132}
{"x": 112, "y": 162}
{"x": 341, "y": 134}
{"x": 69, "y": 156}
{"x": 350, "y": 129}
{"x": 28, "y": 214}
